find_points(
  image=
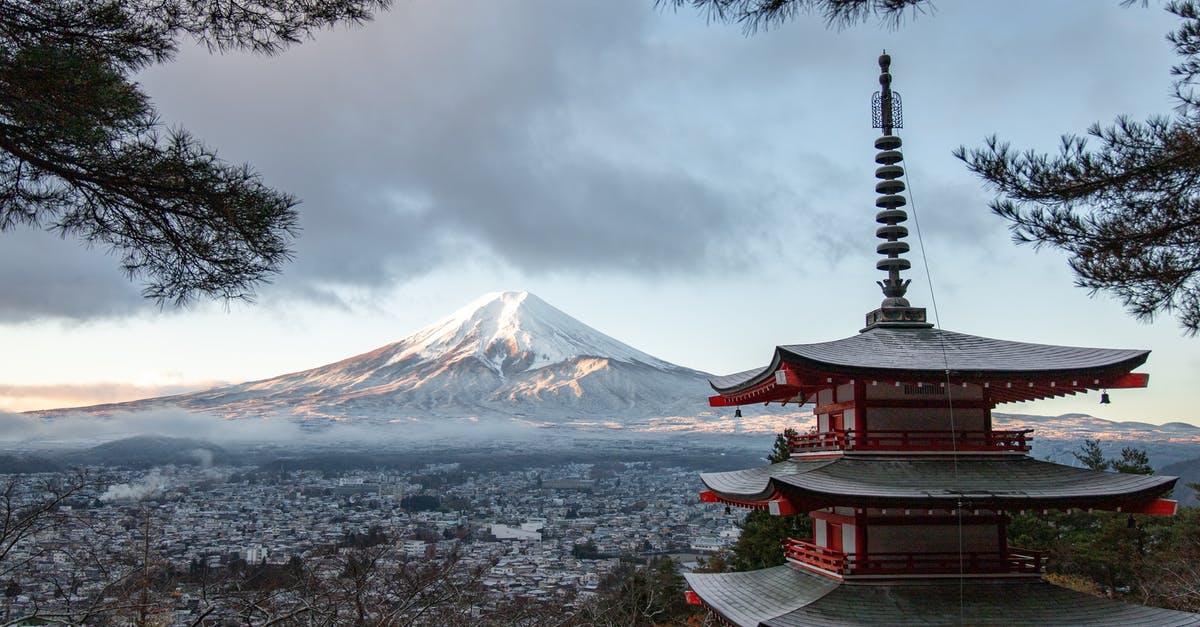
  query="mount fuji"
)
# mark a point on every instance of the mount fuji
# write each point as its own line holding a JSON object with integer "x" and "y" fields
{"x": 506, "y": 354}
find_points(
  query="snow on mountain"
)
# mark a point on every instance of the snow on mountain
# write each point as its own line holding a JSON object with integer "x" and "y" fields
{"x": 507, "y": 354}
{"x": 516, "y": 331}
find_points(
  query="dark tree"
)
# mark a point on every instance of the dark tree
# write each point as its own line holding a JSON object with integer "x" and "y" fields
{"x": 757, "y": 14}
{"x": 1091, "y": 456}
{"x": 782, "y": 449}
{"x": 83, "y": 154}
{"x": 641, "y": 596}
{"x": 421, "y": 503}
{"x": 760, "y": 544}
{"x": 1126, "y": 211}
{"x": 1133, "y": 461}
{"x": 1125, "y": 208}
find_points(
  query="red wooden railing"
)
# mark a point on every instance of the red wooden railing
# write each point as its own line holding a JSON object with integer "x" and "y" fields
{"x": 1019, "y": 561}
{"x": 807, "y": 552}
{"x": 850, "y": 439}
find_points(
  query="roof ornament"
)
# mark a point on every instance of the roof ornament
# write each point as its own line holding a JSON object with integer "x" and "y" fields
{"x": 886, "y": 114}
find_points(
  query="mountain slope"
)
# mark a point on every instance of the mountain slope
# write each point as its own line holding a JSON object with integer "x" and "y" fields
{"x": 505, "y": 354}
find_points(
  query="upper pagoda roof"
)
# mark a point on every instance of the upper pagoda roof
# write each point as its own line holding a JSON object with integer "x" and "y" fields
{"x": 907, "y": 353}
{"x": 973, "y": 482}
{"x": 785, "y": 596}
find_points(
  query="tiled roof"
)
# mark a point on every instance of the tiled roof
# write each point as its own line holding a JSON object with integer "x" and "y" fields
{"x": 1006, "y": 482}
{"x": 750, "y": 598}
{"x": 785, "y": 596}
{"x": 882, "y": 350}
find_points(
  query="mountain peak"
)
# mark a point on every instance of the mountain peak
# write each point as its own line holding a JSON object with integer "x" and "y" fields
{"x": 515, "y": 330}
{"x": 504, "y": 354}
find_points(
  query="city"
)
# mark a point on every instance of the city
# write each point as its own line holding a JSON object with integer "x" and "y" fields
{"x": 532, "y": 535}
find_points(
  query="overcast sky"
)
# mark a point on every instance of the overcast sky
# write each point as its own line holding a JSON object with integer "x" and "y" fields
{"x": 697, "y": 193}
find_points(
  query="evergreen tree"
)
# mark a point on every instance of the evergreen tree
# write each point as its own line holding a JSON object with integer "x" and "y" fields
{"x": 1169, "y": 576}
{"x": 1133, "y": 461}
{"x": 756, "y": 14}
{"x": 1091, "y": 456}
{"x": 760, "y": 544}
{"x": 1126, "y": 210}
{"x": 1108, "y": 548}
{"x": 782, "y": 449}
{"x": 716, "y": 563}
{"x": 82, "y": 152}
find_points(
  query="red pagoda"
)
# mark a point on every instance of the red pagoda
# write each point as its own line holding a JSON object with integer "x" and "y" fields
{"x": 909, "y": 487}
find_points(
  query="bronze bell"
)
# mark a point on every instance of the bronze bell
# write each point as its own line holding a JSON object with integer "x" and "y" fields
{"x": 738, "y": 413}
{"x": 1104, "y": 398}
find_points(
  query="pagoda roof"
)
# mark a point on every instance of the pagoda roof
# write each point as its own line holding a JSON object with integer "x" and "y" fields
{"x": 1001, "y": 482}
{"x": 786, "y": 596}
{"x": 906, "y": 353}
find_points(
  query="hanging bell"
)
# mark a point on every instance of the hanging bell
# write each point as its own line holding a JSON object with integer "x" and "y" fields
{"x": 728, "y": 511}
{"x": 738, "y": 413}
{"x": 1104, "y": 398}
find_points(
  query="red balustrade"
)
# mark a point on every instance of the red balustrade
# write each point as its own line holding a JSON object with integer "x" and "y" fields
{"x": 1016, "y": 561}
{"x": 967, "y": 441}
{"x": 807, "y": 552}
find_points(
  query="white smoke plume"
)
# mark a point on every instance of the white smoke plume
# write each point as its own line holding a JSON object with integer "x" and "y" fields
{"x": 203, "y": 456}
{"x": 151, "y": 485}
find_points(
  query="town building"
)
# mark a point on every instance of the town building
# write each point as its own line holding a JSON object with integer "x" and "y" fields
{"x": 909, "y": 486}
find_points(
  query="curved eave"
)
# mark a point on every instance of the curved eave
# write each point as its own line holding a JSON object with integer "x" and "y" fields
{"x": 1014, "y": 371}
{"x": 756, "y": 484}
{"x": 1010, "y": 484}
{"x": 752, "y": 597}
{"x": 784, "y": 596}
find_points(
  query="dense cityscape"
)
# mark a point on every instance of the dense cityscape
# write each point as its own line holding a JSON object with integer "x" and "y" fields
{"x": 178, "y": 534}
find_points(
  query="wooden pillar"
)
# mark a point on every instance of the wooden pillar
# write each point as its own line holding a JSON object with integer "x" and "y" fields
{"x": 987, "y": 410}
{"x": 860, "y": 536}
{"x": 860, "y": 412}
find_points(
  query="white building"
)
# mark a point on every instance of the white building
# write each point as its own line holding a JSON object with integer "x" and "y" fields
{"x": 413, "y": 548}
{"x": 504, "y": 532}
{"x": 255, "y": 554}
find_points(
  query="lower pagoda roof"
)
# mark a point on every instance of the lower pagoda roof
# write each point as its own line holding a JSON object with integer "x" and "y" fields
{"x": 1002, "y": 482}
{"x": 785, "y": 596}
{"x": 1017, "y": 371}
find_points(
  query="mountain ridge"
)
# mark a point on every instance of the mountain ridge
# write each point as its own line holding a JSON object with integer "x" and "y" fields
{"x": 505, "y": 354}
{"x": 510, "y": 358}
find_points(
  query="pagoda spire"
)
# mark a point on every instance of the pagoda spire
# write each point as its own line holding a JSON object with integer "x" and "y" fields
{"x": 886, "y": 114}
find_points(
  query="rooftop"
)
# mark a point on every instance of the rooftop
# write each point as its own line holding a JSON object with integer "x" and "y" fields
{"x": 1000, "y": 482}
{"x": 785, "y": 596}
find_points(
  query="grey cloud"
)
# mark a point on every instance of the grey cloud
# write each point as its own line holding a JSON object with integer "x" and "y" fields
{"x": 571, "y": 137}
{"x": 466, "y": 133}
{"x": 80, "y": 428}
{"x": 74, "y": 394}
{"x": 42, "y": 275}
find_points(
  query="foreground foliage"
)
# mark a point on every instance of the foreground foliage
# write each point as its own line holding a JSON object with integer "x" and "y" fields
{"x": 82, "y": 151}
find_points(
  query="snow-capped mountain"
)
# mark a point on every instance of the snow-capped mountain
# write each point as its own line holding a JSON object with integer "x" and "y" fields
{"x": 506, "y": 354}
{"x": 515, "y": 332}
